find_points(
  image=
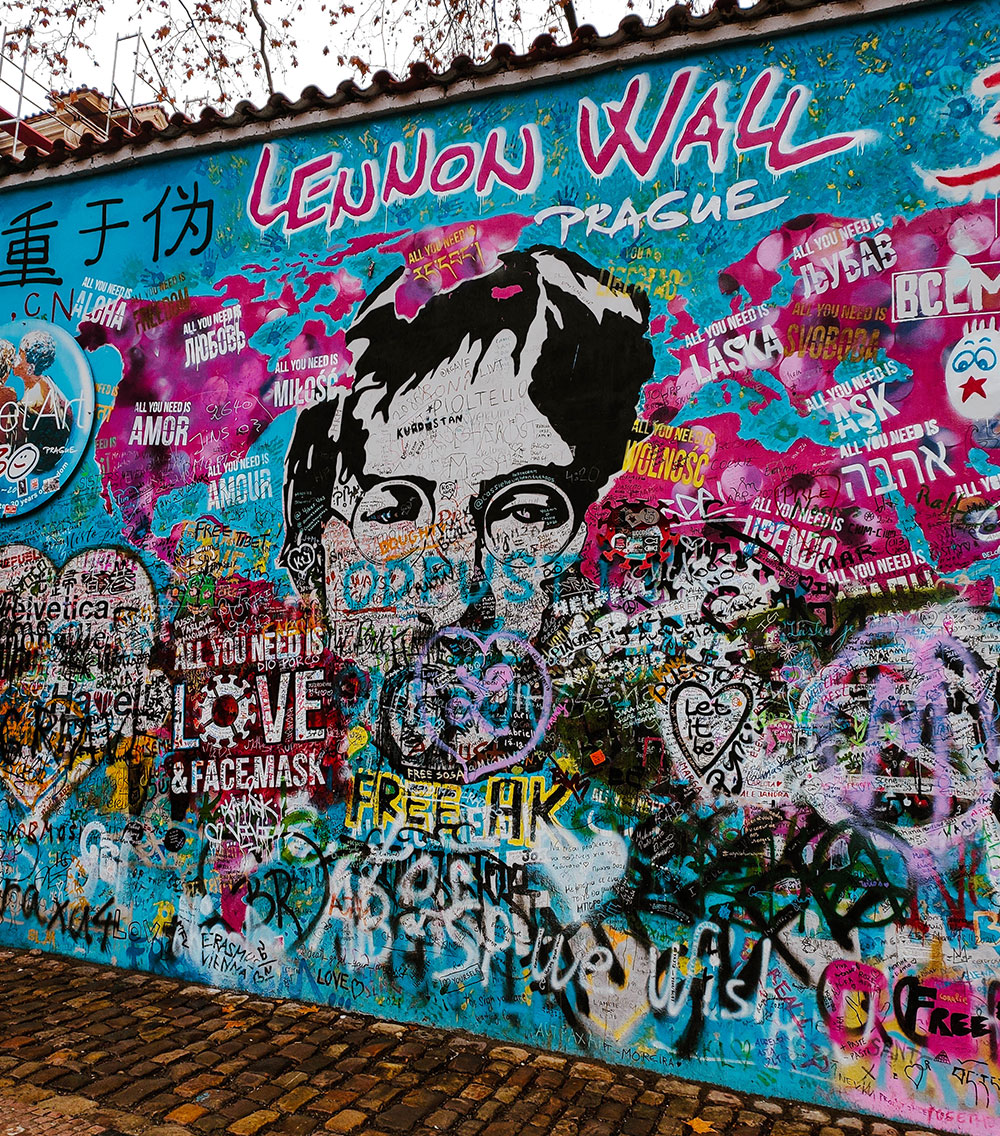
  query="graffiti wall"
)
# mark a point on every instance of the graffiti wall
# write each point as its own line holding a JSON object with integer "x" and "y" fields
{"x": 532, "y": 564}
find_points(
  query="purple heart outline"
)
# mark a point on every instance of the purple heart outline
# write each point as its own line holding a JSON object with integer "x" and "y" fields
{"x": 523, "y": 648}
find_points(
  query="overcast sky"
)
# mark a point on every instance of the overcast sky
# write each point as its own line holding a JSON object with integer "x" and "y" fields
{"x": 312, "y": 36}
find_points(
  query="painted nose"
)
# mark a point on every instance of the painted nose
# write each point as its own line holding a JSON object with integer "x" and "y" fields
{"x": 481, "y": 613}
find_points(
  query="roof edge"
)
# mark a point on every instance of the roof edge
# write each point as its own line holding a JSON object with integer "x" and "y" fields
{"x": 546, "y": 61}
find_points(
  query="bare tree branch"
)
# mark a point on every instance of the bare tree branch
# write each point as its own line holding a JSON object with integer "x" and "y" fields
{"x": 209, "y": 55}
{"x": 239, "y": 43}
{"x": 263, "y": 45}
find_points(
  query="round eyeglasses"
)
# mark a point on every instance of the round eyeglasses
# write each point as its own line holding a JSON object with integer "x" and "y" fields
{"x": 530, "y": 519}
{"x": 392, "y": 521}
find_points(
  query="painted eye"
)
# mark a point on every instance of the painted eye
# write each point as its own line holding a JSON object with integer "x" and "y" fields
{"x": 963, "y": 361}
{"x": 399, "y": 503}
{"x": 533, "y": 518}
{"x": 528, "y": 513}
{"x": 529, "y": 507}
{"x": 986, "y": 358}
{"x": 392, "y": 521}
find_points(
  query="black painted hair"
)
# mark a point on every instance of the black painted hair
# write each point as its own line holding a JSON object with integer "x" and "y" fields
{"x": 594, "y": 360}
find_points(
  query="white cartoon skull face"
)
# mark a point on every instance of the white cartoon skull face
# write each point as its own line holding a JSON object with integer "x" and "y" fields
{"x": 972, "y": 373}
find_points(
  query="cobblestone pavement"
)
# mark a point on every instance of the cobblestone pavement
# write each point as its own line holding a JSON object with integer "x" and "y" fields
{"x": 87, "y": 1049}
{"x": 20, "y": 1119}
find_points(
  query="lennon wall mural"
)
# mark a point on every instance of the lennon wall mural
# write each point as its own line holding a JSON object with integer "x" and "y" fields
{"x": 532, "y": 565}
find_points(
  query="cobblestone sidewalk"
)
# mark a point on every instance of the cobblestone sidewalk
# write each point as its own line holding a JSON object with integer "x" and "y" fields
{"x": 87, "y": 1049}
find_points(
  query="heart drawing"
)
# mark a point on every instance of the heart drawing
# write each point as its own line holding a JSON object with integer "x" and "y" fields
{"x": 705, "y": 723}
{"x": 485, "y": 701}
{"x": 72, "y": 642}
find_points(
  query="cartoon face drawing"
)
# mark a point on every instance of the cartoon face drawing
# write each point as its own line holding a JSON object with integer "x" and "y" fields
{"x": 972, "y": 374}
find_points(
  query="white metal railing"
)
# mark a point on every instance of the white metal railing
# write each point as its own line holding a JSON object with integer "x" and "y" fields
{"x": 26, "y": 105}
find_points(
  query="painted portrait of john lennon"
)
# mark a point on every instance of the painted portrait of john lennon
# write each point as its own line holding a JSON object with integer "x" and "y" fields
{"x": 443, "y": 498}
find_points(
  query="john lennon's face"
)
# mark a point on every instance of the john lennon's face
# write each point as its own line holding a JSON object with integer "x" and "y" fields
{"x": 436, "y": 563}
{"x": 461, "y": 503}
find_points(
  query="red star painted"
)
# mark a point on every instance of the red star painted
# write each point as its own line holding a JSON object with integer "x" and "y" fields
{"x": 973, "y": 386}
